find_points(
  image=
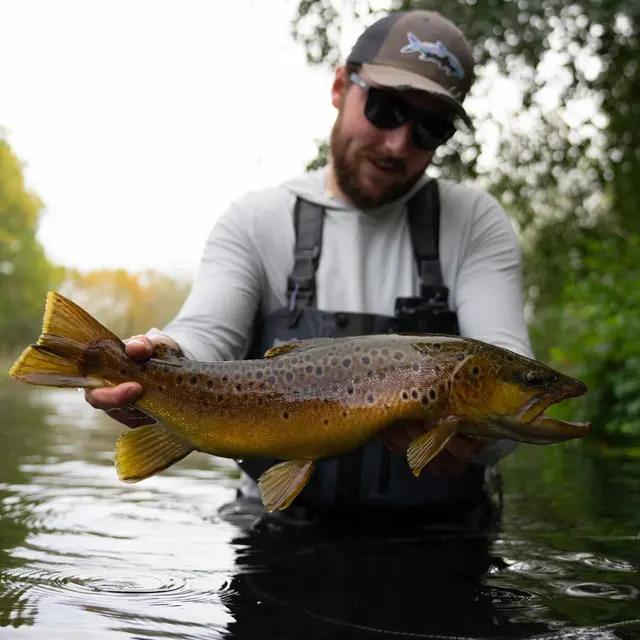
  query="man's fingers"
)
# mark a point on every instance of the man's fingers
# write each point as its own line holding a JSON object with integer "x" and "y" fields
{"x": 139, "y": 347}
{"x": 113, "y": 397}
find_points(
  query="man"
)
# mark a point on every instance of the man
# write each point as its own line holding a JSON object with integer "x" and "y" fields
{"x": 368, "y": 245}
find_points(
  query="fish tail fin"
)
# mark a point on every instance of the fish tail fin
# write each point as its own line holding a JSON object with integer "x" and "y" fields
{"x": 63, "y": 355}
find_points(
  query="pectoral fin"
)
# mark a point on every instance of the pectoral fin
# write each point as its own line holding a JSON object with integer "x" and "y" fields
{"x": 280, "y": 484}
{"x": 147, "y": 450}
{"x": 427, "y": 446}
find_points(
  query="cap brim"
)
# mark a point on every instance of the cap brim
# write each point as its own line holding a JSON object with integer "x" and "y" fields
{"x": 395, "y": 78}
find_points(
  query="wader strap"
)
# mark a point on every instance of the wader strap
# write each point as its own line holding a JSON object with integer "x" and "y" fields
{"x": 308, "y": 218}
{"x": 423, "y": 215}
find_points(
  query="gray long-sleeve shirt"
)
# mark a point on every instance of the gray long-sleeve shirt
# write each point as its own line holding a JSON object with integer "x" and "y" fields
{"x": 367, "y": 261}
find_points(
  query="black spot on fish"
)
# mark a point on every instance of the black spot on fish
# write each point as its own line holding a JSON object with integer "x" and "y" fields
{"x": 225, "y": 378}
{"x": 285, "y": 415}
{"x": 334, "y": 362}
{"x": 366, "y": 360}
{"x": 271, "y": 379}
{"x": 346, "y": 363}
{"x": 461, "y": 357}
{"x": 326, "y": 421}
{"x": 432, "y": 394}
{"x": 350, "y": 390}
{"x": 164, "y": 370}
{"x": 414, "y": 394}
{"x": 220, "y": 398}
{"x": 345, "y": 414}
{"x": 510, "y": 358}
{"x": 239, "y": 387}
{"x": 260, "y": 400}
{"x": 160, "y": 388}
{"x": 405, "y": 395}
{"x": 290, "y": 377}
{"x": 179, "y": 380}
{"x": 371, "y": 398}
{"x": 259, "y": 374}
{"x": 309, "y": 369}
{"x": 193, "y": 380}
{"x": 319, "y": 371}
{"x": 475, "y": 371}
{"x": 123, "y": 372}
{"x": 437, "y": 369}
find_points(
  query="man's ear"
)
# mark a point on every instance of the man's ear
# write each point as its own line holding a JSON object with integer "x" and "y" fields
{"x": 339, "y": 86}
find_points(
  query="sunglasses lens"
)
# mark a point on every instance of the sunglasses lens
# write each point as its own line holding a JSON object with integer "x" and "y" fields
{"x": 384, "y": 110}
{"x": 432, "y": 131}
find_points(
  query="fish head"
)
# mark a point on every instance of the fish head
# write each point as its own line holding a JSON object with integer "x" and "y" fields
{"x": 509, "y": 393}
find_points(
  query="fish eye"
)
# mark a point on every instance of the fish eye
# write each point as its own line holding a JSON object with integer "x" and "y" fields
{"x": 534, "y": 378}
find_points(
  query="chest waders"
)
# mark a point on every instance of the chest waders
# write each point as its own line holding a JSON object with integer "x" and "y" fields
{"x": 372, "y": 479}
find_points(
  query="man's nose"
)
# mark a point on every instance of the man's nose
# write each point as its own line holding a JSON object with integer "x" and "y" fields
{"x": 397, "y": 141}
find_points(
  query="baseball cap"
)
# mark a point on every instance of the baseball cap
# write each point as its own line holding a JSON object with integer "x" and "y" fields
{"x": 417, "y": 49}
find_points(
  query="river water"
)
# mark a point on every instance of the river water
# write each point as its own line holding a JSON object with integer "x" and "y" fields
{"x": 85, "y": 556}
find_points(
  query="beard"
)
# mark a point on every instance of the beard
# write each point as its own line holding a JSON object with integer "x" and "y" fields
{"x": 346, "y": 162}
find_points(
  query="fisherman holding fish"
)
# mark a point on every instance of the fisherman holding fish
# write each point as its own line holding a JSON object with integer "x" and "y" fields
{"x": 369, "y": 244}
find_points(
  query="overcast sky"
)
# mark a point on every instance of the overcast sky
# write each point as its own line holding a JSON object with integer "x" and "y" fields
{"x": 139, "y": 121}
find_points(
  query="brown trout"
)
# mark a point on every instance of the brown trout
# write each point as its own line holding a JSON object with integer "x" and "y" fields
{"x": 304, "y": 400}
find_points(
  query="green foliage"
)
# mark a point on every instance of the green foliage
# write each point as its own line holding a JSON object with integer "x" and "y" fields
{"x": 593, "y": 334}
{"x": 25, "y": 272}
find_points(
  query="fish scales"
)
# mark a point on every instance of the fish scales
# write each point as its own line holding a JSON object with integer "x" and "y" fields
{"x": 347, "y": 393}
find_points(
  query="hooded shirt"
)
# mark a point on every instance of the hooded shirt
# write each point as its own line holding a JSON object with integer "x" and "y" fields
{"x": 366, "y": 262}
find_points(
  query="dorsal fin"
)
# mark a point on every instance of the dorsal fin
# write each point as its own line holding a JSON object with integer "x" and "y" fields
{"x": 296, "y": 345}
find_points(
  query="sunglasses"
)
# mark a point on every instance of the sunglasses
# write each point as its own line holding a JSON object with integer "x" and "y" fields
{"x": 385, "y": 109}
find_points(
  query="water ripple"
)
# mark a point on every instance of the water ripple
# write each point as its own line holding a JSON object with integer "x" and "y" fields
{"x": 150, "y": 587}
{"x": 598, "y": 590}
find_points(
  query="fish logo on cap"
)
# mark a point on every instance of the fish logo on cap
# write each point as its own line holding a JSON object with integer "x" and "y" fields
{"x": 434, "y": 52}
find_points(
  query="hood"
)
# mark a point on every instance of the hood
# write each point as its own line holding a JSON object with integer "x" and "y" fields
{"x": 312, "y": 186}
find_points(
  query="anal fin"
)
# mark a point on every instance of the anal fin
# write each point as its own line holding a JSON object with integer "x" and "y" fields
{"x": 148, "y": 450}
{"x": 280, "y": 484}
{"x": 428, "y": 445}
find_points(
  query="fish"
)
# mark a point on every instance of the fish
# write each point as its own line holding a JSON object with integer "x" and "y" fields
{"x": 304, "y": 400}
{"x": 434, "y": 52}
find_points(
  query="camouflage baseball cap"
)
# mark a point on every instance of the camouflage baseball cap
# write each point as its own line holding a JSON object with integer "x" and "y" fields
{"x": 417, "y": 50}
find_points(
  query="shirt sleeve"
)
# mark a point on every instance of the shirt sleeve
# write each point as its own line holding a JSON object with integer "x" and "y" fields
{"x": 489, "y": 298}
{"x": 216, "y": 320}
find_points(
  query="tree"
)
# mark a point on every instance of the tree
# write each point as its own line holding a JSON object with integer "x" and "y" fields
{"x": 25, "y": 272}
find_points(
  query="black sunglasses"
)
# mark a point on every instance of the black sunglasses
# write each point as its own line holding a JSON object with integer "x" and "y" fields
{"x": 385, "y": 109}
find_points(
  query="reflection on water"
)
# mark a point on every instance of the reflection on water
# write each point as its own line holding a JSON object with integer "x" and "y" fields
{"x": 85, "y": 556}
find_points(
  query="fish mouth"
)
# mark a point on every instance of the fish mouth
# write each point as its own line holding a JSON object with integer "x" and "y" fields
{"x": 532, "y": 412}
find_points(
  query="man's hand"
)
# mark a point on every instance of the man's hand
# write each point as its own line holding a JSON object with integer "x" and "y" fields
{"x": 452, "y": 460}
{"x": 116, "y": 401}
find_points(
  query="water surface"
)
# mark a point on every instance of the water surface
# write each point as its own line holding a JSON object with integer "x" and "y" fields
{"x": 84, "y": 556}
